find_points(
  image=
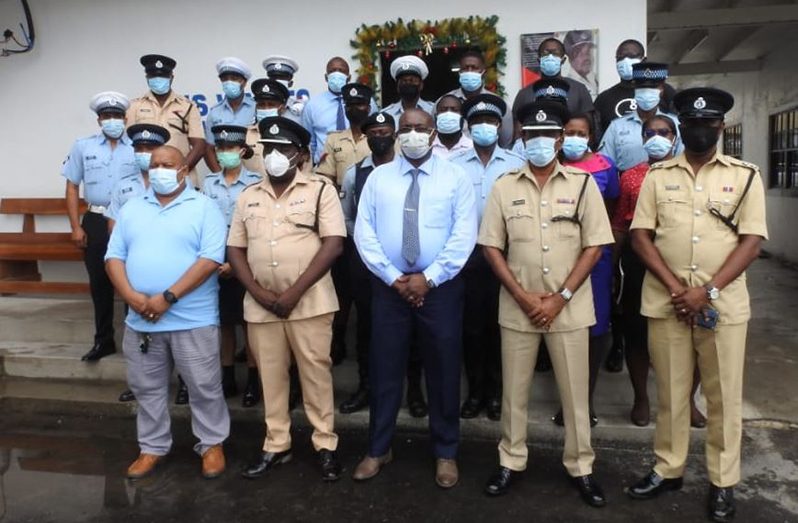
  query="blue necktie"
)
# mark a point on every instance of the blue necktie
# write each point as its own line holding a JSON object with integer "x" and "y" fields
{"x": 410, "y": 243}
{"x": 340, "y": 119}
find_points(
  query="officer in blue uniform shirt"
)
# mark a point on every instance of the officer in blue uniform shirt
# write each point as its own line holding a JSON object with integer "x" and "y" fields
{"x": 409, "y": 73}
{"x": 623, "y": 140}
{"x": 98, "y": 162}
{"x": 282, "y": 69}
{"x": 236, "y": 108}
{"x": 223, "y": 188}
{"x": 484, "y": 163}
{"x": 145, "y": 138}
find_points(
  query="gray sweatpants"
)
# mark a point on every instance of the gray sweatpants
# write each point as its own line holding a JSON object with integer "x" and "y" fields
{"x": 195, "y": 354}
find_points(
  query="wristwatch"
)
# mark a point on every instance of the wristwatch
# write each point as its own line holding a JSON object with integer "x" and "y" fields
{"x": 566, "y": 294}
{"x": 170, "y": 297}
{"x": 713, "y": 293}
{"x": 431, "y": 284}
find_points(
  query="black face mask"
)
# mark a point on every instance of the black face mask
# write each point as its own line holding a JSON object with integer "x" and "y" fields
{"x": 408, "y": 91}
{"x": 356, "y": 116}
{"x": 699, "y": 138}
{"x": 380, "y": 145}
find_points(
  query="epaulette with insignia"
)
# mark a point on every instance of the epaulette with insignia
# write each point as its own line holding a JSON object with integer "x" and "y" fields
{"x": 742, "y": 163}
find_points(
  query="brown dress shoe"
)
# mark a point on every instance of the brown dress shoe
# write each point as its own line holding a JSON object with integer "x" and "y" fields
{"x": 143, "y": 466}
{"x": 446, "y": 474}
{"x": 370, "y": 467}
{"x": 213, "y": 462}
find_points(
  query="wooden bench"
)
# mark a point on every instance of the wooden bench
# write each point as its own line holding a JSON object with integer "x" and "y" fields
{"x": 20, "y": 252}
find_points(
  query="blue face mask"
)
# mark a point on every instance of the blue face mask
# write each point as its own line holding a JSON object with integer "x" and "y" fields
{"x": 657, "y": 147}
{"x": 228, "y": 159}
{"x": 484, "y": 134}
{"x": 624, "y": 67}
{"x": 647, "y": 98}
{"x": 159, "y": 85}
{"x": 540, "y": 151}
{"x": 143, "y": 161}
{"x": 113, "y": 127}
{"x": 335, "y": 81}
{"x": 164, "y": 180}
{"x": 550, "y": 65}
{"x": 448, "y": 122}
{"x": 260, "y": 114}
{"x": 470, "y": 81}
{"x": 574, "y": 147}
{"x": 231, "y": 89}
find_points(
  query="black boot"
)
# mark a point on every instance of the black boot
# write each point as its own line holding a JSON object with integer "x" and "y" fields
{"x": 182, "y": 392}
{"x": 252, "y": 391}
{"x": 721, "y": 503}
{"x": 229, "y": 387}
{"x": 357, "y": 401}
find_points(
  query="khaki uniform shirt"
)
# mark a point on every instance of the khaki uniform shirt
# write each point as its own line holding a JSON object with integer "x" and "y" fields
{"x": 674, "y": 202}
{"x": 341, "y": 152}
{"x": 280, "y": 242}
{"x": 542, "y": 253}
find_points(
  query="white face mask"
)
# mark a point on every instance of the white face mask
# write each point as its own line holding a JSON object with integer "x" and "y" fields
{"x": 414, "y": 144}
{"x": 277, "y": 164}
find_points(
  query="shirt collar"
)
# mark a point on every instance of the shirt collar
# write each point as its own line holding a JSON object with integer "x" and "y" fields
{"x": 172, "y": 96}
{"x": 247, "y": 100}
{"x": 124, "y": 138}
{"x": 559, "y": 170}
{"x": 682, "y": 162}
{"x": 188, "y": 194}
{"x": 426, "y": 167}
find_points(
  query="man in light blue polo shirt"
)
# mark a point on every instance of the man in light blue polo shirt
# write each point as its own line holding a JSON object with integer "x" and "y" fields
{"x": 162, "y": 258}
{"x": 484, "y": 163}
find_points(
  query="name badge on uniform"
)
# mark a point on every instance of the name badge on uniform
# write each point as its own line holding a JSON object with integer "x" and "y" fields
{"x": 337, "y": 150}
{"x": 127, "y": 190}
{"x": 253, "y": 204}
{"x": 672, "y": 187}
{"x": 519, "y": 202}
{"x": 568, "y": 201}
{"x": 90, "y": 158}
{"x": 728, "y": 188}
{"x": 296, "y": 202}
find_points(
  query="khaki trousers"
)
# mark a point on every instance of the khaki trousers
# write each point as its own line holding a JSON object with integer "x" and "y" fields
{"x": 308, "y": 340}
{"x": 674, "y": 349}
{"x": 569, "y": 358}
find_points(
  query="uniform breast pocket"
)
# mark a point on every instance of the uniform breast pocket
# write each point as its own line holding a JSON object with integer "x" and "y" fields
{"x": 437, "y": 215}
{"x": 565, "y": 221}
{"x": 302, "y": 218}
{"x": 256, "y": 224}
{"x": 672, "y": 210}
{"x": 521, "y": 223}
{"x": 723, "y": 203}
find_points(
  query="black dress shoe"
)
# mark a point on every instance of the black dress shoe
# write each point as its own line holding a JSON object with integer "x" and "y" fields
{"x": 266, "y": 462}
{"x": 99, "y": 350}
{"x": 557, "y": 419}
{"x": 357, "y": 401}
{"x": 251, "y": 395}
{"x": 417, "y": 407}
{"x": 499, "y": 482}
{"x": 181, "y": 398}
{"x": 494, "y": 409}
{"x": 652, "y": 486}
{"x": 721, "y": 503}
{"x": 471, "y": 408}
{"x": 589, "y": 490}
{"x": 329, "y": 464}
{"x": 127, "y": 395}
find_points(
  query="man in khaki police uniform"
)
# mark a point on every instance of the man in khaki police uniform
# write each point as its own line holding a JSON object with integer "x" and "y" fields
{"x": 552, "y": 221}
{"x": 699, "y": 223}
{"x": 286, "y": 233}
{"x": 163, "y": 106}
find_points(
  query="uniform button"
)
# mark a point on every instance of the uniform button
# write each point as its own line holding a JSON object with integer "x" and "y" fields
{"x": 726, "y": 201}
{"x": 699, "y": 188}
{"x": 273, "y": 242}
{"x": 545, "y": 248}
{"x": 276, "y": 223}
{"x": 544, "y": 225}
{"x": 697, "y": 212}
{"x": 545, "y": 270}
{"x": 274, "y": 264}
{"x": 695, "y": 239}
{"x": 277, "y": 206}
{"x": 694, "y": 267}
{"x": 544, "y": 203}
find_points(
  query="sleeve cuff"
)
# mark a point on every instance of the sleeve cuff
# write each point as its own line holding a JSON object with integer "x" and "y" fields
{"x": 390, "y": 275}
{"x": 434, "y": 273}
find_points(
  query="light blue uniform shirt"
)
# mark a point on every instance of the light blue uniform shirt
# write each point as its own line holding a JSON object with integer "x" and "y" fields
{"x": 124, "y": 190}
{"x": 396, "y": 109}
{"x": 447, "y": 220}
{"x": 92, "y": 162}
{"x": 623, "y": 140}
{"x": 320, "y": 117}
{"x": 224, "y": 195}
{"x": 482, "y": 176}
{"x": 159, "y": 244}
{"x": 223, "y": 114}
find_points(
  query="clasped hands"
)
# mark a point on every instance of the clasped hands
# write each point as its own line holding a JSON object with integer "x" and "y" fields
{"x": 151, "y": 308}
{"x": 281, "y": 304}
{"x": 689, "y": 302}
{"x": 540, "y": 307}
{"x": 412, "y": 288}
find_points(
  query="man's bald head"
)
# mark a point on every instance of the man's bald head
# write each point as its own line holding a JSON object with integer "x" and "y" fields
{"x": 337, "y": 63}
{"x": 416, "y": 118}
{"x": 167, "y": 156}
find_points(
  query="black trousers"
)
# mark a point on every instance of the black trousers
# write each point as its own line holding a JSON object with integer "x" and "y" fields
{"x": 102, "y": 291}
{"x": 481, "y": 335}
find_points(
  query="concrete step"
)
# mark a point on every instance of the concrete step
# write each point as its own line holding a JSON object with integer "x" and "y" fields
{"x": 52, "y": 319}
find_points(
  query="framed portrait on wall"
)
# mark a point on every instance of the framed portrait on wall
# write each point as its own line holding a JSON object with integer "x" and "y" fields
{"x": 581, "y": 51}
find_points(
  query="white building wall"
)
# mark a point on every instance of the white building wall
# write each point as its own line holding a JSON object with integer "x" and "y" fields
{"x": 757, "y": 96}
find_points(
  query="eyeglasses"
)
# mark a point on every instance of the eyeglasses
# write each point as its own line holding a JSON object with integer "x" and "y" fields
{"x": 649, "y": 133}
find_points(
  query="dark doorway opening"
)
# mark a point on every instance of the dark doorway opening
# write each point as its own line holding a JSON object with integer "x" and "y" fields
{"x": 443, "y": 74}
